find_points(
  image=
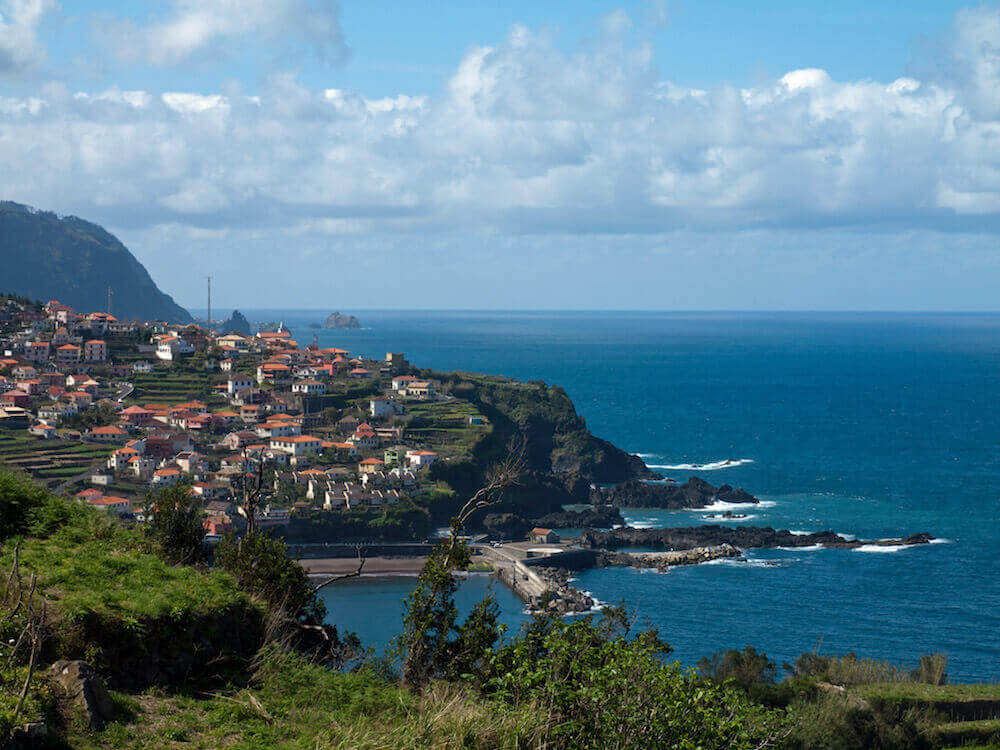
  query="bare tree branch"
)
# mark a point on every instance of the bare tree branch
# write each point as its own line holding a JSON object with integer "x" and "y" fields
{"x": 362, "y": 556}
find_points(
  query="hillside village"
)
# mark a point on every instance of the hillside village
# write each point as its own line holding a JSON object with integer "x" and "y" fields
{"x": 109, "y": 410}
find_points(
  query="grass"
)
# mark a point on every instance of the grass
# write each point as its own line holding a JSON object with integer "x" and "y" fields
{"x": 108, "y": 575}
{"x": 38, "y": 704}
{"x": 297, "y": 704}
{"x": 916, "y": 691}
{"x": 961, "y": 733}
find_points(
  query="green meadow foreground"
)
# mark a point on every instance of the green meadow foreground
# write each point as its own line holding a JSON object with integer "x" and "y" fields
{"x": 234, "y": 656}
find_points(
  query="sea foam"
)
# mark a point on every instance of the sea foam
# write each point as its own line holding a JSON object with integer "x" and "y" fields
{"x": 719, "y": 505}
{"x": 727, "y": 463}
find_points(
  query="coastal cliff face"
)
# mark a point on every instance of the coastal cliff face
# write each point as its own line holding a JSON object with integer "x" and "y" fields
{"x": 563, "y": 460}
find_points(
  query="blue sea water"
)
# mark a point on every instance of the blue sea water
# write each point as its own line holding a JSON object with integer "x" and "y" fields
{"x": 875, "y": 425}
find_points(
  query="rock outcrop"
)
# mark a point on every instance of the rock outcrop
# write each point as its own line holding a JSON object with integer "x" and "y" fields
{"x": 664, "y": 560}
{"x": 85, "y": 689}
{"x": 598, "y": 517}
{"x": 336, "y": 320}
{"x": 505, "y": 526}
{"x": 237, "y": 323}
{"x": 695, "y": 493}
{"x": 746, "y": 537}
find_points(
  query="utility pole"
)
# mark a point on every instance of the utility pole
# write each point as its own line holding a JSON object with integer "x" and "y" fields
{"x": 208, "y": 325}
{"x": 109, "y": 300}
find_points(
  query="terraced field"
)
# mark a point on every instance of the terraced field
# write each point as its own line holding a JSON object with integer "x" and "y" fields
{"x": 171, "y": 388}
{"x": 50, "y": 461}
{"x": 444, "y": 426}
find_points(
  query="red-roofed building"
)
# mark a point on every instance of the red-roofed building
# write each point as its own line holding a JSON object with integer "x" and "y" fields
{"x": 95, "y": 350}
{"x": 136, "y": 415}
{"x": 68, "y": 354}
{"x": 108, "y": 434}
{"x": 111, "y": 504}
{"x": 297, "y": 445}
{"x": 166, "y": 477}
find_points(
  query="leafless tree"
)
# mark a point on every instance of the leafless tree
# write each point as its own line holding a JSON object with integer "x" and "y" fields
{"x": 362, "y": 556}
{"x": 22, "y": 608}
{"x": 253, "y": 486}
{"x": 499, "y": 478}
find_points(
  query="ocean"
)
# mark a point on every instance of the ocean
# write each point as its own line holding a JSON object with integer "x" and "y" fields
{"x": 874, "y": 425}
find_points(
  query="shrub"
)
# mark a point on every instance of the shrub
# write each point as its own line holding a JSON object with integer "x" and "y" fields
{"x": 603, "y": 688}
{"x": 841, "y": 722}
{"x": 744, "y": 668}
{"x": 261, "y": 566}
{"x": 26, "y": 508}
{"x": 176, "y": 525}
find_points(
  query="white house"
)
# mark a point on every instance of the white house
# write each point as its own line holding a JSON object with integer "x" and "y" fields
{"x": 142, "y": 368}
{"x": 238, "y": 383}
{"x": 166, "y": 477}
{"x": 110, "y": 504}
{"x": 169, "y": 348}
{"x": 309, "y": 387}
{"x": 297, "y": 445}
{"x": 418, "y": 459}
{"x": 381, "y": 407}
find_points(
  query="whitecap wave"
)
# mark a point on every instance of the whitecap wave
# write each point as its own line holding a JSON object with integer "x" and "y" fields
{"x": 744, "y": 562}
{"x": 800, "y": 533}
{"x": 882, "y": 547}
{"x": 644, "y": 525}
{"x": 747, "y": 517}
{"x": 648, "y": 455}
{"x": 727, "y": 463}
{"x": 810, "y": 548}
{"x": 719, "y": 505}
{"x": 940, "y": 541}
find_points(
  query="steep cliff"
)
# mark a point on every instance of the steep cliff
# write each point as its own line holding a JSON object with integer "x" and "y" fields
{"x": 46, "y": 256}
{"x": 562, "y": 458}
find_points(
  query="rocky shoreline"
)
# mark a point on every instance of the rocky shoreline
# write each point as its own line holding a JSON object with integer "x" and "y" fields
{"x": 663, "y": 560}
{"x": 563, "y": 597}
{"x": 599, "y": 517}
{"x": 695, "y": 493}
{"x": 744, "y": 537}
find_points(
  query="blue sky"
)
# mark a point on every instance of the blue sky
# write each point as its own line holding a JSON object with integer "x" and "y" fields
{"x": 675, "y": 155}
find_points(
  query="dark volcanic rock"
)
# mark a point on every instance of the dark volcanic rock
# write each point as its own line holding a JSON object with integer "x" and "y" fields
{"x": 336, "y": 320}
{"x": 600, "y": 517}
{"x": 237, "y": 323}
{"x": 695, "y": 493}
{"x": 506, "y": 526}
{"x": 746, "y": 537}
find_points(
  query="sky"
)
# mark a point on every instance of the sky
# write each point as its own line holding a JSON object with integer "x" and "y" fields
{"x": 658, "y": 154}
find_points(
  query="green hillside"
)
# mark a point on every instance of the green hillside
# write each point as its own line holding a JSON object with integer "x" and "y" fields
{"x": 45, "y": 256}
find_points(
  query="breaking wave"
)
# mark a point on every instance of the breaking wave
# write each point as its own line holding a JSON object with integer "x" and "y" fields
{"x": 727, "y": 463}
{"x": 719, "y": 505}
{"x": 747, "y": 517}
{"x": 882, "y": 547}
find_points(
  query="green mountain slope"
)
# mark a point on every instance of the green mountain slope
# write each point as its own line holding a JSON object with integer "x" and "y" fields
{"x": 65, "y": 258}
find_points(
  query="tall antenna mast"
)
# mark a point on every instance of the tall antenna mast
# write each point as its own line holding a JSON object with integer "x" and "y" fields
{"x": 109, "y": 300}
{"x": 209, "y": 317}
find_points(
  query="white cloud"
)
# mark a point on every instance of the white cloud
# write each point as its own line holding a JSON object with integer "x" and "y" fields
{"x": 209, "y": 28}
{"x": 526, "y": 139}
{"x": 20, "y": 48}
